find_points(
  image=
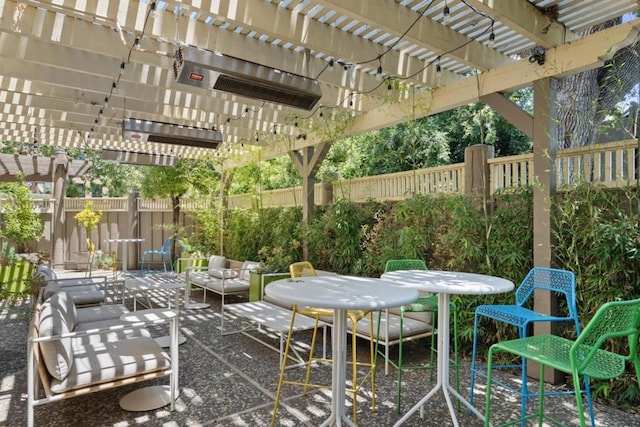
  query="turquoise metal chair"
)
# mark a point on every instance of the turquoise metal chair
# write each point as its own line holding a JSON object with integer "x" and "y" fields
{"x": 585, "y": 356}
{"x": 562, "y": 282}
{"x": 424, "y": 304}
{"x": 164, "y": 251}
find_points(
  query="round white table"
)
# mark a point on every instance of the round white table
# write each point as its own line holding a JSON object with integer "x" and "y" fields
{"x": 341, "y": 293}
{"x": 153, "y": 397}
{"x": 125, "y": 245}
{"x": 446, "y": 283}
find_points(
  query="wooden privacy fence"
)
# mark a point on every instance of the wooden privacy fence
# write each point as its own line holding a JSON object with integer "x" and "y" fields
{"x": 612, "y": 164}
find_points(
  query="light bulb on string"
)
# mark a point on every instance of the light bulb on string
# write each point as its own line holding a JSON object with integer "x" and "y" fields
{"x": 389, "y": 87}
{"x": 122, "y": 65}
{"x": 152, "y": 12}
{"x": 331, "y": 64}
{"x": 446, "y": 14}
{"x": 379, "y": 73}
{"x": 492, "y": 37}
{"x": 438, "y": 67}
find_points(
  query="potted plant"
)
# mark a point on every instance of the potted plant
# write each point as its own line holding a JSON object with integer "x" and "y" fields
{"x": 274, "y": 265}
{"x": 89, "y": 218}
{"x": 20, "y": 225}
{"x": 190, "y": 255}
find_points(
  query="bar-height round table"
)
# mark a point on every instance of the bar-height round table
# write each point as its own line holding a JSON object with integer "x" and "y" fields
{"x": 125, "y": 244}
{"x": 340, "y": 293}
{"x": 446, "y": 283}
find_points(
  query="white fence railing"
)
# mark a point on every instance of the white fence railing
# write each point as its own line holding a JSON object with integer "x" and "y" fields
{"x": 612, "y": 164}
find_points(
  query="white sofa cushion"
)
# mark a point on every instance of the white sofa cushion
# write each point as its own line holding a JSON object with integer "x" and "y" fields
{"x": 108, "y": 361}
{"x": 57, "y": 317}
{"x": 45, "y": 272}
{"x": 217, "y": 262}
{"x": 247, "y": 268}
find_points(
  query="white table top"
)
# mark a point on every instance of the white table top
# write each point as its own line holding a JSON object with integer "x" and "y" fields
{"x": 341, "y": 292}
{"x": 152, "y": 315}
{"x": 450, "y": 282}
{"x": 149, "y": 284}
{"x": 123, "y": 240}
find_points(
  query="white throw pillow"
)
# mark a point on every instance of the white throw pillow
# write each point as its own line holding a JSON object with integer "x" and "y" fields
{"x": 57, "y": 317}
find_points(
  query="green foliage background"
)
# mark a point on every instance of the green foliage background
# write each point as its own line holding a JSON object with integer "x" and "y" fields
{"x": 597, "y": 233}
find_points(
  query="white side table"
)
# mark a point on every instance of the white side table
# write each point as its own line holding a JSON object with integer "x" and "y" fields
{"x": 341, "y": 293}
{"x": 145, "y": 284}
{"x": 157, "y": 396}
{"x": 446, "y": 283}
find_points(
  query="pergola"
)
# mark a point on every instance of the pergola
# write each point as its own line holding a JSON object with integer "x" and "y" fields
{"x": 75, "y": 73}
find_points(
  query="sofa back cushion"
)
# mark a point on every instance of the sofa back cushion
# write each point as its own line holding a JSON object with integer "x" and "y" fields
{"x": 51, "y": 289}
{"x": 217, "y": 262}
{"x": 45, "y": 272}
{"x": 58, "y": 316}
{"x": 247, "y": 268}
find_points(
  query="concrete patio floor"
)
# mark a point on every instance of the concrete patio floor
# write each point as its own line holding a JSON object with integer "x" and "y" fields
{"x": 231, "y": 381}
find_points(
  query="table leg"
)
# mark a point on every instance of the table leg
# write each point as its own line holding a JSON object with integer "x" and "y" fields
{"x": 125, "y": 258}
{"x": 338, "y": 371}
{"x": 187, "y": 298}
{"x": 442, "y": 382}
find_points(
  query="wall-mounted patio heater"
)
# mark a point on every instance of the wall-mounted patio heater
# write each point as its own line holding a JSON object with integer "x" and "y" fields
{"x": 214, "y": 70}
{"x": 136, "y": 158}
{"x": 169, "y": 133}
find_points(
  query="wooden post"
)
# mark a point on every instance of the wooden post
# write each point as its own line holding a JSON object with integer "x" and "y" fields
{"x": 308, "y": 160}
{"x": 476, "y": 172}
{"x": 58, "y": 216}
{"x": 544, "y": 191}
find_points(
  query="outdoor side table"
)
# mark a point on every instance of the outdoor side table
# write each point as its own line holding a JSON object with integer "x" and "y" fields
{"x": 145, "y": 284}
{"x": 156, "y": 396}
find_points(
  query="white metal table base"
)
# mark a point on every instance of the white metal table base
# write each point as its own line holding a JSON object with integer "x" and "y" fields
{"x": 147, "y": 398}
{"x": 338, "y": 371}
{"x": 443, "y": 382}
{"x": 192, "y": 305}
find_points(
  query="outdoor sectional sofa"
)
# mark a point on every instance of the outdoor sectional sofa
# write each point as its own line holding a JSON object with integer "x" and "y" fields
{"x": 75, "y": 351}
{"x": 223, "y": 277}
{"x": 84, "y": 291}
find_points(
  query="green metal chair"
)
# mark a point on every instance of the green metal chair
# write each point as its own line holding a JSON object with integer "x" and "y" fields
{"x": 424, "y": 304}
{"x": 582, "y": 357}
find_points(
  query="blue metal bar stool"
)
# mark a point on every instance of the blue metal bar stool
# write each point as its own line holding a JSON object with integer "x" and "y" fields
{"x": 539, "y": 278}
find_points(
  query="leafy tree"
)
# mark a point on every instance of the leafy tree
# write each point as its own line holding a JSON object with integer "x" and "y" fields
{"x": 20, "y": 224}
{"x": 187, "y": 175}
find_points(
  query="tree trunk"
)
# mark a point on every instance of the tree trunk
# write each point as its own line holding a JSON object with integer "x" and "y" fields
{"x": 585, "y": 99}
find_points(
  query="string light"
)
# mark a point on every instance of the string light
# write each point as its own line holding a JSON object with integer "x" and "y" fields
{"x": 389, "y": 88}
{"x": 122, "y": 65}
{"x": 379, "y": 72}
{"x": 331, "y": 64}
{"x": 136, "y": 44}
{"x": 152, "y": 13}
{"x": 438, "y": 68}
{"x": 492, "y": 37}
{"x": 446, "y": 14}
{"x": 114, "y": 87}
